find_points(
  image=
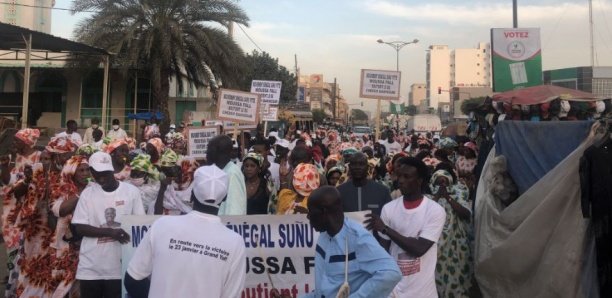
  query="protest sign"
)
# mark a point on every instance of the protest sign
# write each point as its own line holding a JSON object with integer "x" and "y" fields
{"x": 269, "y": 113}
{"x": 198, "y": 140}
{"x": 380, "y": 84}
{"x": 282, "y": 245}
{"x": 238, "y": 106}
{"x": 269, "y": 91}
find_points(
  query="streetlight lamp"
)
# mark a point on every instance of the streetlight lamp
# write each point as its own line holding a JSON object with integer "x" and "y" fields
{"x": 397, "y": 45}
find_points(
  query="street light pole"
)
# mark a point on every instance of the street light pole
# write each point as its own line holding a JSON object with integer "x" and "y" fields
{"x": 397, "y": 45}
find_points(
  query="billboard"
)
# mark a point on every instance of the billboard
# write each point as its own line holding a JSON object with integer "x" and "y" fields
{"x": 380, "y": 84}
{"x": 516, "y": 58}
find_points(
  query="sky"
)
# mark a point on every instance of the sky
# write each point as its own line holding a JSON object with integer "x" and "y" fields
{"x": 338, "y": 38}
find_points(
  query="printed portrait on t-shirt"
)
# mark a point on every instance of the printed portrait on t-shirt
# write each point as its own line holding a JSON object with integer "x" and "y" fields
{"x": 109, "y": 215}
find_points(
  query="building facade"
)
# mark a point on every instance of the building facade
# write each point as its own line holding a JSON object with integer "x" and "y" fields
{"x": 597, "y": 80}
{"x": 438, "y": 74}
{"x": 29, "y": 14}
{"x": 418, "y": 93}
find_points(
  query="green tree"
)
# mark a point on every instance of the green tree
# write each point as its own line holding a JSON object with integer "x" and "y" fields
{"x": 261, "y": 66}
{"x": 412, "y": 110}
{"x": 319, "y": 115}
{"x": 358, "y": 114}
{"x": 167, "y": 38}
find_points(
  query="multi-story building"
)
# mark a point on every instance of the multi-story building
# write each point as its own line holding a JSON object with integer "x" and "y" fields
{"x": 448, "y": 68}
{"x": 418, "y": 92}
{"x": 597, "y": 80}
{"x": 30, "y": 14}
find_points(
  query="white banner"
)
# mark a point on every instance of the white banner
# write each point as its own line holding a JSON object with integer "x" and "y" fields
{"x": 380, "y": 84}
{"x": 198, "y": 140}
{"x": 269, "y": 91}
{"x": 229, "y": 125}
{"x": 283, "y": 245}
{"x": 238, "y": 106}
{"x": 269, "y": 113}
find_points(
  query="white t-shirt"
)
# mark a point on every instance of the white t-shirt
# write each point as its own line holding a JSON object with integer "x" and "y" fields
{"x": 192, "y": 255}
{"x": 100, "y": 258}
{"x": 116, "y": 134}
{"x": 392, "y": 148}
{"x": 75, "y": 137}
{"x": 425, "y": 221}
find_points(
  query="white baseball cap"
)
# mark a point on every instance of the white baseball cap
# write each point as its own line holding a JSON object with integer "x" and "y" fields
{"x": 283, "y": 143}
{"x": 101, "y": 162}
{"x": 172, "y": 125}
{"x": 210, "y": 185}
{"x": 273, "y": 134}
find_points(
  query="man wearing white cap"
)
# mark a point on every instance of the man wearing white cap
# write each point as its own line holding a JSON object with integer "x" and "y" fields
{"x": 193, "y": 255}
{"x": 97, "y": 218}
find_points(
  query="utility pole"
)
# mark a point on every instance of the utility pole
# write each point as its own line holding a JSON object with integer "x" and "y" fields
{"x": 591, "y": 34}
{"x": 514, "y": 14}
{"x": 297, "y": 80}
{"x": 334, "y": 88}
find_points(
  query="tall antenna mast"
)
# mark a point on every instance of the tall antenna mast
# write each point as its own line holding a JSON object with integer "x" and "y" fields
{"x": 591, "y": 33}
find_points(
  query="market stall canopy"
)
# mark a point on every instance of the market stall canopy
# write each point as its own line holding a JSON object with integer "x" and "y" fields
{"x": 542, "y": 94}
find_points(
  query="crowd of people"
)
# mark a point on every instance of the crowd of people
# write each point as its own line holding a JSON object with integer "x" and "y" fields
{"x": 63, "y": 206}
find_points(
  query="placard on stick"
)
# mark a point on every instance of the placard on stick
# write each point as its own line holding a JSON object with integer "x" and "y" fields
{"x": 380, "y": 84}
{"x": 269, "y": 91}
{"x": 198, "y": 139}
{"x": 238, "y": 106}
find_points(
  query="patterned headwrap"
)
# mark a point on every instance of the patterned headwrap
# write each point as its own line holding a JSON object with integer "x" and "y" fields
{"x": 447, "y": 143}
{"x": 61, "y": 145}
{"x": 158, "y": 144}
{"x": 441, "y": 173}
{"x": 131, "y": 143}
{"x": 431, "y": 162}
{"x": 389, "y": 164}
{"x": 188, "y": 167}
{"x": 71, "y": 166}
{"x": 471, "y": 145}
{"x": 372, "y": 164}
{"x": 305, "y": 179}
{"x": 142, "y": 162}
{"x": 107, "y": 140}
{"x": 349, "y": 151}
{"x": 423, "y": 141}
{"x": 344, "y": 146}
{"x": 334, "y": 169}
{"x": 168, "y": 159}
{"x": 28, "y": 135}
{"x": 114, "y": 145}
{"x": 86, "y": 150}
{"x": 255, "y": 157}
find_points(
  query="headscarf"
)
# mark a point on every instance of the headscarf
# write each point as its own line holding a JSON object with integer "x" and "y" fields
{"x": 349, "y": 151}
{"x": 472, "y": 146}
{"x": 188, "y": 167}
{"x": 28, "y": 135}
{"x": 86, "y": 150}
{"x": 158, "y": 144}
{"x": 372, "y": 164}
{"x": 168, "y": 159}
{"x": 334, "y": 169}
{"x": 131, "y": 143}
{"x": 305, "y": 179}
{"x": 447, "y": 143}
{"x": 114, "y": 145}
{"x": 142, "y": 162}
{"x": 317, "y": 154}
{"x": 61, "y": 145}
{"x": 389, "y": 164}
{"x": 255, "y": 157}
{"x": 71, "y": 166}
{"x": 437, "y": 174}
{"x": 431, "y": 161}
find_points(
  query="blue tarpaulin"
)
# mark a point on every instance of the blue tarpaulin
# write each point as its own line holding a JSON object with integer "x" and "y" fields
{"x": 532, "y": 149}
{"x": 145, "y": 116}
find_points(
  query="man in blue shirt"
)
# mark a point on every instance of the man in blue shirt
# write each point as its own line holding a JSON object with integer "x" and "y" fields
{"x": 371, "y": 271}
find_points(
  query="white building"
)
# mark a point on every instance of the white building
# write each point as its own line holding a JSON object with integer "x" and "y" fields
{"x": 29, "y": 14}
{"x": 438, "y": 74}
{"x": 447, "y": 69}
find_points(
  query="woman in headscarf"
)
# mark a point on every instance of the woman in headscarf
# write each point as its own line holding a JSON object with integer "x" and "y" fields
{"x": 155, "y": 148}
{"x": 119, "y": 152}
{"x": 175, "y": 191}
{"x": 86, "y": 150}
{"x": 391, "y": 178}
{"x": 305, "y": 181}
{"x": 75, "y": 177}
{"x": 259, "y": 186}
{"x": 146, "y": 178}
{"x": 454, "y": 269}
{"x": 333, "y": 176}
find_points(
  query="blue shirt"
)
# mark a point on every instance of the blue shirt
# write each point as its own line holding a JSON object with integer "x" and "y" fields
{"x": 372, "y": 271}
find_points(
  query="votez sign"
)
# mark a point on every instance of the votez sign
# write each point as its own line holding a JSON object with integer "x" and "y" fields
{"x": 516, "y": 59}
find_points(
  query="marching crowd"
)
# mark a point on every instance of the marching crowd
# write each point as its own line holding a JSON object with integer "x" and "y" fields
{"x": 63, "y": 205}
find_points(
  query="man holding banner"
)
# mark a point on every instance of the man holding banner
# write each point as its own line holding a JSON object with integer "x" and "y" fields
{"x": 193, "y": 255}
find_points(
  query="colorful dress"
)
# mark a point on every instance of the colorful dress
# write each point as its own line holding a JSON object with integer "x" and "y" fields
{"x": 287, "y": 202}
{"x": 454, "y": 267}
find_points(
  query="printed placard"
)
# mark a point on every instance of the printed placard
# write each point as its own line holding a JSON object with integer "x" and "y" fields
{"x": 198, "y": 139}
{"x": 269, "y": 113}
{"x": 269, "y": 91}
{"x": 238, "y": 106}
{"x": 380, "y": 84}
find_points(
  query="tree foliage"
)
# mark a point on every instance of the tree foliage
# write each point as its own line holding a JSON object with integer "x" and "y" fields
{"x": 167, "y": 38}
{"x": 261, "y": 66}
{"x": 358, "y": 114}
{"x": 319, "y": 115}
{"x": 471, "y": 104}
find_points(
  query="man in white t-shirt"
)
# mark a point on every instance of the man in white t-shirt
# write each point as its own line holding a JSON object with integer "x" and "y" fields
{"x": 409, "y": 228}
{"x": 71, "y": 133}
{"x": 392, "y": 146}
{"x": 192, "y": 255}
{"x": 116, "y": 132}
{"x": 97, "y": 218}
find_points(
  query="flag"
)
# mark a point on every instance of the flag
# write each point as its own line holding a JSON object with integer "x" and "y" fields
{"x": 393, "y": 108}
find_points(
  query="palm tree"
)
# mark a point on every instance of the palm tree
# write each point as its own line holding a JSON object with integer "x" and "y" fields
{"x": 167, "y": 38}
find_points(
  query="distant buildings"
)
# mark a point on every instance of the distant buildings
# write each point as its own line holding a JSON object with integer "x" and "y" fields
{"x": 597, "y": 80}
{"x": 448, "y": 68}
{"x": 418, "y": 93}
{"x": 28, "y": 14}
{"x": 320, "y": 95}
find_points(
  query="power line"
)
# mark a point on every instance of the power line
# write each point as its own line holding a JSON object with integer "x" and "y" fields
{"x": 247, "y": 35}
{"x": 45, "y": 7}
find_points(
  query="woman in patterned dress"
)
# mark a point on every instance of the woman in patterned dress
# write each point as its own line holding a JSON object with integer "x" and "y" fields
{"x": 454, "y": 267}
